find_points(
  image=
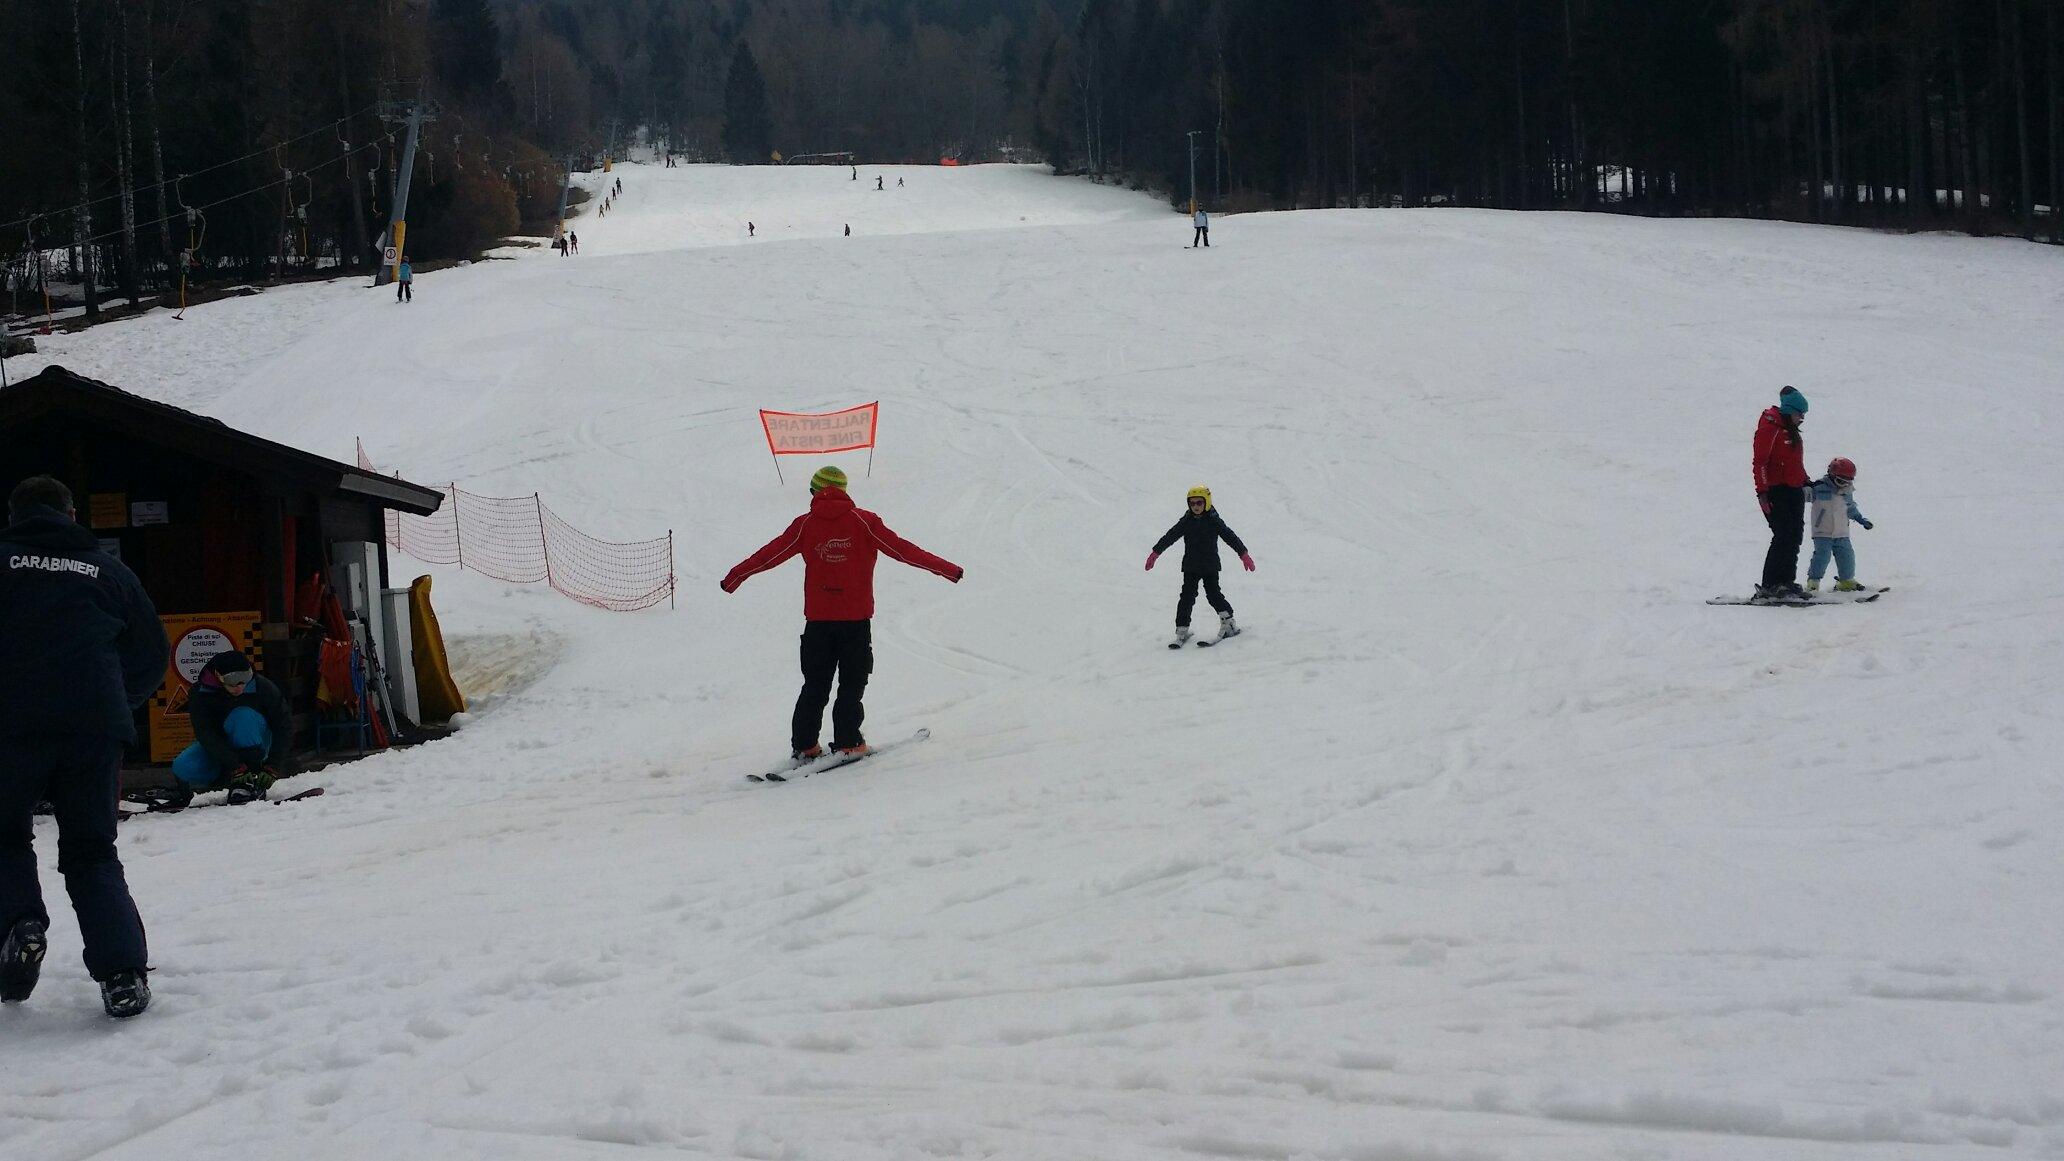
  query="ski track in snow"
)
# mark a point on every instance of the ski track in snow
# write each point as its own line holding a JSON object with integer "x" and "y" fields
{"x": 1491, "y": 842}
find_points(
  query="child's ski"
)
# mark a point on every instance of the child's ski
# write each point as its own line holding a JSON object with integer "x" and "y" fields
{"x": 153, "y": 806}
{"x": 1206, "y": 644}
{"x": 834, "y": 760}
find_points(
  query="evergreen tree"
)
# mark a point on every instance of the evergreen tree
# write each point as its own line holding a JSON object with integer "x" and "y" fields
{"x": 467, "y": 43}
{"x": 748, "y": 127}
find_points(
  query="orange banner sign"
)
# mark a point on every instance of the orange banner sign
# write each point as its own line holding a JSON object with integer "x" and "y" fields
{"x": 793, "y": 433}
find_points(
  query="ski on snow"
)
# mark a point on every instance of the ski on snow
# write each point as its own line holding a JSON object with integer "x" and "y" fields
{"x": 152, "y": 806}
{"x": 1854, "y": 597}
{"x": 832, "y": 761}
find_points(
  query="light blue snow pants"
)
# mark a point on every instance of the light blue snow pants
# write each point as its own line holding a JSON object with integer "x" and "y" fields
{"x": 1838, "y": 547}
{"x": 245, "y": 728}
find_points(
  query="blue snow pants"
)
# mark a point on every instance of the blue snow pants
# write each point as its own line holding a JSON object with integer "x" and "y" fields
{"x": 1844, "y": 554}
{"x": 246, "y": 729}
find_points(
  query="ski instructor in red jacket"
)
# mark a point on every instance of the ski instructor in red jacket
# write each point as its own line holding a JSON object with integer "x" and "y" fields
{"x": 838, "y": 542}
{"x": 1780, "y": 471}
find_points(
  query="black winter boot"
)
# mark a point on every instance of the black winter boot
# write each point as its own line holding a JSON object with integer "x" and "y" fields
{"x": 21, "y": 959}
{"x": 126, "y": 993}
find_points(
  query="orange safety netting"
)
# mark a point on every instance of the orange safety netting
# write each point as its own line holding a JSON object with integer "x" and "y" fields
{"x": 518, "y": 539}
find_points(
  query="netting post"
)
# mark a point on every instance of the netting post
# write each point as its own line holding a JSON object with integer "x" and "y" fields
{"x": 458, "y": 536}
{"x": 670, "y": 586}
{"x": 544, "y": 545}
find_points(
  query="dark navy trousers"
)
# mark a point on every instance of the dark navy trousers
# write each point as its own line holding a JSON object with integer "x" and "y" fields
{"x": 79, "y": 775}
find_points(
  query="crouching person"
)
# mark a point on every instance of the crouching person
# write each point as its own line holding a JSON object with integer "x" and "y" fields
{"x": 243, "y": 731}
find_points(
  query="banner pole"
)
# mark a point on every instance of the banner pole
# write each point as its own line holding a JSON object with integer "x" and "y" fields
{"x": 870, "y": 461}
{"x": 777, "y": 470}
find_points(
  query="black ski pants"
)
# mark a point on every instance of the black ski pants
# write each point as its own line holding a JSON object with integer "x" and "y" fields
{"x": 841, "y": 649}
{"x": 404, "y": 292}
{"x": 1787, "y": 518}
{"x": 1202, "y": 238}
{"x": 80, "y": 775}
{"x": 1188, "y": 600}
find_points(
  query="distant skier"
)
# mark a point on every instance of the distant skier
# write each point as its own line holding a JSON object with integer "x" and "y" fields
{"x": 405, "y": 283}
{"x": 559, "y": 244}
{"x": 749, "y": 228}
{"x": 877, "y": 183}
{"x": 839, "y": 543}
{"x": 849, "y": 229}
{"x": 856, "y": 173}
{"x": 1779, "y": 465}
{"x": 1200, "y": 529}
{"x": 899, "y": 183}
{"x": 573, "y": 242}
{"x": 1834, "y": 506}
{"x": 1202, "y": 222}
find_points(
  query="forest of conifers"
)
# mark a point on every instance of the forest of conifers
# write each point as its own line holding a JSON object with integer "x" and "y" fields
{"x": 1892, "y": 113}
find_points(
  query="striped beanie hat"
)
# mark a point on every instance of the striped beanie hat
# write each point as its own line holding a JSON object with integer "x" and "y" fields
{"x": 828, "y": 476}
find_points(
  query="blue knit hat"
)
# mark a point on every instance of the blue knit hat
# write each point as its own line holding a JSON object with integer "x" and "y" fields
{"x": 1791, "y": 402}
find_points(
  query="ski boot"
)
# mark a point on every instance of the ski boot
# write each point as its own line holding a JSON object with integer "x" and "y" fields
{"x": 1226, "y": 628}
{"x": 1813, "y": 586}
{"x": 805, "y": 757}
{"x": 251, "y": 785}
{"x": 1849, "y": 586}
{"x": 1182, "y": 637}
{"x": 126, "y": 993}
{"x": 858, "y": 749}
{"x": 21, "y": 960}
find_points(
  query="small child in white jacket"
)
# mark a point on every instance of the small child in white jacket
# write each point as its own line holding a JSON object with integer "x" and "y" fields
{"x": 1834, "y": 506}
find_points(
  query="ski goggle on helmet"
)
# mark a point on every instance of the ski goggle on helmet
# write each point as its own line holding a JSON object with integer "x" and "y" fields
{"x": 1198, "y": 494}
{"x": 1842, "y": 468}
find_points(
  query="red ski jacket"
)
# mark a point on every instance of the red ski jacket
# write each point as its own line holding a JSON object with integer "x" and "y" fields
{"x": 838, "y": 542}
{"x": 1780, "y": 454}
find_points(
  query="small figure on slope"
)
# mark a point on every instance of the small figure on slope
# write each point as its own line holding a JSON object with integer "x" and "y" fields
{"x": 1201, "y": 221}
{"x": 1200, "y": 529}
{"x": 1834, "y": 506}
{"x": 1779, "y": 466}
{"x": 405, "y": 283}
{"x": 838, "y": 542}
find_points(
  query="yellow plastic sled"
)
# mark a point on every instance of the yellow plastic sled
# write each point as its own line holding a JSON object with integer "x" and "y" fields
{"x": 438, "y": 695}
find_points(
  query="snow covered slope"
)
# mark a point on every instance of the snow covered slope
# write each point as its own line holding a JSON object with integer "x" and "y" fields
{"x": 1488, "y": 840}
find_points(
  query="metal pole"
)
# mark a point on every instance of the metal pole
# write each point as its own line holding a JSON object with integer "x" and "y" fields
{"x": 397, "y": 228}
{"x": 565, "y": 192}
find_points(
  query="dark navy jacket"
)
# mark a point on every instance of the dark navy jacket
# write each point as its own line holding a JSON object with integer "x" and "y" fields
{"x": 1200, "y": 535}
{"x": 81, "y": 646}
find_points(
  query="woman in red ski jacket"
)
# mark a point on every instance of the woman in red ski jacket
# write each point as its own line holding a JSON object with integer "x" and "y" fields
{"x": 1780, "y": 472}
{"x": 839, "y": 542}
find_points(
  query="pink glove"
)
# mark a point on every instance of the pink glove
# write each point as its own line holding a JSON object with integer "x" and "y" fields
{"x": 1151, "y": 558}
{"x": 1248, "y": 561}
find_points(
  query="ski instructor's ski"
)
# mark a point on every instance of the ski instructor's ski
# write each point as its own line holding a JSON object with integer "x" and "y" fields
{"x": 833, "y": 761}
{"x": 1852, "y": 597}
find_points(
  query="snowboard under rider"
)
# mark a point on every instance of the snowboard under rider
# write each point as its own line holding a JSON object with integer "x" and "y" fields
{"x": 1834, "y": 506}
{"x": 1200, "y": 529}
{"x": 1779, "y": 466}
{"x": 839, "y": 542}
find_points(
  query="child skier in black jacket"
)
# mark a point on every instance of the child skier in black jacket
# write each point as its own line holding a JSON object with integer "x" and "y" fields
{"x": 1200, "y": 529}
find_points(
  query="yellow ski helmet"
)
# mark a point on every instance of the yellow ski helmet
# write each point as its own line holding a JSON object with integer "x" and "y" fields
{"x": 1200, "y": 492}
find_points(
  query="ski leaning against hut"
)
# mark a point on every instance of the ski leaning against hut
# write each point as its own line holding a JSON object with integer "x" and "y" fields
{"x": 1200, "y": 528}
{"x": 839, "y": 542}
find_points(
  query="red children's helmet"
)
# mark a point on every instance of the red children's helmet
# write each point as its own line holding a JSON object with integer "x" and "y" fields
{"x": 1843, "y": 467}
